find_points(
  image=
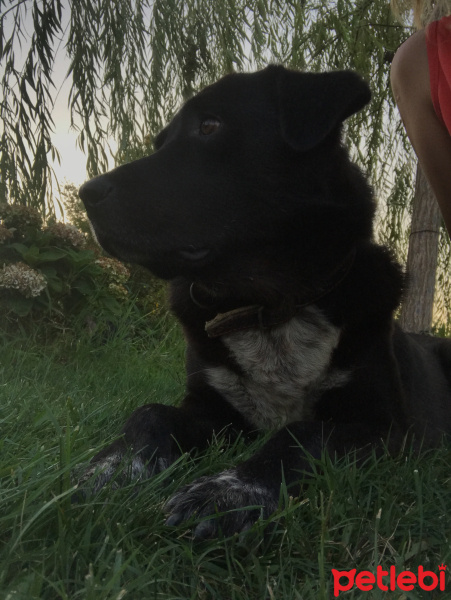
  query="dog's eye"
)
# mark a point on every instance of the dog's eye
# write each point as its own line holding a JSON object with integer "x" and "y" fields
{"x": 209, "y": 126}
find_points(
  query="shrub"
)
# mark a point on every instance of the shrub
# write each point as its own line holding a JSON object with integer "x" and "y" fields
{"x": 47, "y": 270}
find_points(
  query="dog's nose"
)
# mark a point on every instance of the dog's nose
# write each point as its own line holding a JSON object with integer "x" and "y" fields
{"x": 95, "y": 190}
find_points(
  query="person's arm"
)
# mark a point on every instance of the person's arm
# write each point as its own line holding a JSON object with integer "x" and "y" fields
{"x": 429, "y": 136}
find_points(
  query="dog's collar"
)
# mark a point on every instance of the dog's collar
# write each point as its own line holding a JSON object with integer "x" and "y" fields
{"x": 257, "y": 316}
{"x": 248, "y": 317}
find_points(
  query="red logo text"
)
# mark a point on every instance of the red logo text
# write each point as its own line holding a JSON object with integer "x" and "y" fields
{"x": 389, "y": 580}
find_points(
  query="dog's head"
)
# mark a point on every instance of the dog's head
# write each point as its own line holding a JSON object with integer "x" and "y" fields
{"x": 251, "y": 169}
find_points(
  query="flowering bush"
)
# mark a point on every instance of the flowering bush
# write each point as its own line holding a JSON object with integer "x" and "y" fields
{"x": 67, "y": 234}
{"x": 18, "y": 217}
{"x": 116, "y": 275}
{"x": 19, "y": 276}
{"x": 114, "y": 270}
{"x": 49, "y": 270}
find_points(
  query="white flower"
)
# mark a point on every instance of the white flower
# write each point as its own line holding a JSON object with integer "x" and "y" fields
{"x": 118, "y": 291}
{"x": 68, "y": 234}
{"x": 114, "y": 269}
{"x": 19, "y": 276}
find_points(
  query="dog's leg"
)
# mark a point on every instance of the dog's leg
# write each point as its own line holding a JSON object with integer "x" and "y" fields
{"x": 144, "y": 448}
{"x": 152, "y": 439}
{"x": 236, "y": 498}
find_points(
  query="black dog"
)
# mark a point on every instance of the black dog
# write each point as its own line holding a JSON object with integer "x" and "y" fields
{"x": 252, "y": 208}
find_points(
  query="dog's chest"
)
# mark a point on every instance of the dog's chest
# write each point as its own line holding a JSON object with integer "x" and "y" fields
{"x": 283, "y": 369}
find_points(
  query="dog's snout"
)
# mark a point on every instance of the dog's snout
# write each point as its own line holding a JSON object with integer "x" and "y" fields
{"x": 94, "y": 191}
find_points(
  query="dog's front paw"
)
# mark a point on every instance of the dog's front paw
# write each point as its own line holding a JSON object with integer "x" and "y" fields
{"x": 115, "y": 469}
{"x": 145, "y": 448}
{"x": 232, "y": 503}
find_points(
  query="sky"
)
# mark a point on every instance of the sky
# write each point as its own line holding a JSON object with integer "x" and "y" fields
{"x": 73, "y": 161}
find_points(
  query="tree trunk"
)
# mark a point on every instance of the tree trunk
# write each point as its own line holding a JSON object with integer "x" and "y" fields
{"x": 417, "y": 307}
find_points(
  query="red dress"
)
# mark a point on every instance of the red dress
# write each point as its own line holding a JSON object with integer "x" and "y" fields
{"x": 438, "y": 42}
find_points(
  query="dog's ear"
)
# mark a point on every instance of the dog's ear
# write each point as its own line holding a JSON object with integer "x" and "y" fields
{"x": 312, "y": 105}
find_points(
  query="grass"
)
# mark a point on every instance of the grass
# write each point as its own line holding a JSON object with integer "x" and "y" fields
{"x": 61, "y": 402}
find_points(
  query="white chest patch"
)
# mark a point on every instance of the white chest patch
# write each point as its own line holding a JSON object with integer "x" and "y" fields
{"x": 284, "y": 369}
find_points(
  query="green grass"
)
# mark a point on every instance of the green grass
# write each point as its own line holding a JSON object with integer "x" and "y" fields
{"x": 61, "y": 402}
